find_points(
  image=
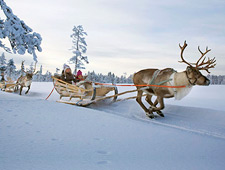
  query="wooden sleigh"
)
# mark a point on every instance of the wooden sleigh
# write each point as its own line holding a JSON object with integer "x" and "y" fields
{"x": 83, "y": 93}
{"x": 8, "y": 86}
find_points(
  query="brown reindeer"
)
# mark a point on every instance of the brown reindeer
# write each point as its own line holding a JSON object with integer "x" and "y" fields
{"x": 169, "y": 77}
{"x": 25, "y": 81}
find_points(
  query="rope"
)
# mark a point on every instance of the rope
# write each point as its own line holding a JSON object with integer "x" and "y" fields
{"x": 153, "y": 85}
{"x": 50, "y": 93}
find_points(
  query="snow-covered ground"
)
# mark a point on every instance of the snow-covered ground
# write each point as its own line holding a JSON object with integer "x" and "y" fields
{"x": 36, "y": 134}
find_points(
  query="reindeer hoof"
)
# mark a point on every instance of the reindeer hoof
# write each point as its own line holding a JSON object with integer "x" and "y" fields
{"x": 160, "y": 113}
{"x": 150, "y": 115}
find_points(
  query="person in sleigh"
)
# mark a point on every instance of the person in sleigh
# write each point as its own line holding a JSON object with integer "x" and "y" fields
{"x": 79, "y": 76}
{"x": 67, "y": 75}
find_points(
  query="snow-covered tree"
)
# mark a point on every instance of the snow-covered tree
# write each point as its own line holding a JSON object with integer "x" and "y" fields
{"x": 11, "y": 68}
{"x": 48, "y": 76}
{"x": 20, "y": 71}
{"x": 2, "y": 63}
{"x": 79, "y": 48}
{"x": 38, "y": 76}
{"x": 18, "y": 33}
{"x": 57, "y": 70}
{"x": 31, "y": 67}
{"x": 109, "y": 78}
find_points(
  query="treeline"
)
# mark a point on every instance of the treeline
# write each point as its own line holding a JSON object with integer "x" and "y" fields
{"x": 112, "y": 78}
{"x": 109, "y": 78}
{"x": 9, "y": 69}
{"x": 220, "y": 80}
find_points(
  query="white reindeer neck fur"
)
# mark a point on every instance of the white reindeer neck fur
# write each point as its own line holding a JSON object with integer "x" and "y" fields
{"x": 180, "y": 79}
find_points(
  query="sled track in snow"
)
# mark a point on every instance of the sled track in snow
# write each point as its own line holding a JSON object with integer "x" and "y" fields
{"x": 172, "y": 120}
{"x": 201, "y": 132}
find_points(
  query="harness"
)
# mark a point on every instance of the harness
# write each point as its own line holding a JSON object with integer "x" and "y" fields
{"x": 189, "y": 79}
{"x": 156, "y": 73}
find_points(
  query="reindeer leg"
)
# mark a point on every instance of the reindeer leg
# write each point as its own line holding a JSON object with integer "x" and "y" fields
{"x": 148, "y": 99}
{"x": 138, "y": 99}
{"x": 21, "y": 88}
{"x": 161, "y": 107}
{"x": 16, "y": 88}
{"x": 27, "y": 89}
{"x": 155, "y": 103}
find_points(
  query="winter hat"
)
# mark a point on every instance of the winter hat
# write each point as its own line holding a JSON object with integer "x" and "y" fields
{"x": 65, "y": 66}
{"x": 79, "y": 73}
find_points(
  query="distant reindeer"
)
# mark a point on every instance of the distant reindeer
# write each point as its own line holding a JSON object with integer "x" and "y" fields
{"x": 25, "y": 81}
{"x": 169, "y": 77}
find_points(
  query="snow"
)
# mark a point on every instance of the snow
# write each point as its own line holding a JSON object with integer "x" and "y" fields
{"x": 36, "y": 134}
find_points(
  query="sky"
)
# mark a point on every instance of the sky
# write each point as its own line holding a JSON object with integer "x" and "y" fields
{"x": 124, "y": 36}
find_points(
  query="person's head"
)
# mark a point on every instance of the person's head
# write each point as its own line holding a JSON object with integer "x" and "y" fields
{"x": 66, "y": 68}
{"x": 79, "y": 74}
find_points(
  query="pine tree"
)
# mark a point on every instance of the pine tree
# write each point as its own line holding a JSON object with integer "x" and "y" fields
{"x": 40, "y": 72}
{"x": 20, "y": 71}
{"x": 57, "y": 70}
{"x": 79, "y": 48}
{"x": 31, "y": 67}
{"x": 18, "y": 33}
{"x": 2, "y": 63}
{"x": 39, "y": 75}
{"x": 11, "y": 68}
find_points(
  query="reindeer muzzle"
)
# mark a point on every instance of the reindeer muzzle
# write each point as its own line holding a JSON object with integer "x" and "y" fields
{"x": 207, "y": 82}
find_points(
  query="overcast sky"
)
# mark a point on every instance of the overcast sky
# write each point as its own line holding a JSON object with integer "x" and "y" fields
{"x": 125, "y": 36}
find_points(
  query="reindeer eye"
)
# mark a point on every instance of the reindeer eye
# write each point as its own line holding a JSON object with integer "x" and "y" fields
{"x": 189, "y": 70}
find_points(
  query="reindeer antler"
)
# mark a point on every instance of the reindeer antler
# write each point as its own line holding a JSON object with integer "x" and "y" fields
{"x": 211, "y": 63}
{"x": 181, "y": 54}
{"x": 204, "y": 65}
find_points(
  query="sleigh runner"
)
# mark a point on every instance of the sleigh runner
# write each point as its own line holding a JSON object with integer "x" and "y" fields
{"x": 83, "y": 93}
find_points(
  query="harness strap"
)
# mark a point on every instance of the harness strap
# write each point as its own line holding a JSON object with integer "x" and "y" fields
{"x": 156, "y": 73}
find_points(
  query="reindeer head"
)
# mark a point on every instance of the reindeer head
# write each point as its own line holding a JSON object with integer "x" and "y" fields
{"x": 193, "y": 73}
{"x": 29, "y": 74}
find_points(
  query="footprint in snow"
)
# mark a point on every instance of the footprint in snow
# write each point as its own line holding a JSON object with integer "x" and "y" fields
{"x": 28, "y": 123}
{"x": 104, "y": 162}
{"x": 103, "y": 152}
{"x": 98, "y": 139}
{"x": 54, "y": 139}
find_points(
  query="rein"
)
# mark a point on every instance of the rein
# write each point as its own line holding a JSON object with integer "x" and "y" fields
{"x": 143, "y": 85}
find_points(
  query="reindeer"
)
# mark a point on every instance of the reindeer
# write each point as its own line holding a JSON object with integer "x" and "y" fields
{"x": 25, "y": 81}
{"x": 169, "y": 77}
